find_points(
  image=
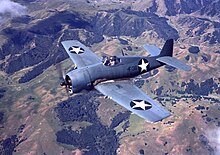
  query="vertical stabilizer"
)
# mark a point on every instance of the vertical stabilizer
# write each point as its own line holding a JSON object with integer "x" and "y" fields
{"x": 166, "y": 54}
{"x": 167, "y": 49}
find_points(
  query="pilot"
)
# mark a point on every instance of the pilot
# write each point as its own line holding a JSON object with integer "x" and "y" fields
{"x": 112, "y": 60}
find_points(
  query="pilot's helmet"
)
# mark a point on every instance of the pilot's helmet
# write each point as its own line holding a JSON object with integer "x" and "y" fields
{"x": 113, "y": 58}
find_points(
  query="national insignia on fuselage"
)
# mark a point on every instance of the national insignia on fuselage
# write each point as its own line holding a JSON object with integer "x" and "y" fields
{"x": 143, "y": 65}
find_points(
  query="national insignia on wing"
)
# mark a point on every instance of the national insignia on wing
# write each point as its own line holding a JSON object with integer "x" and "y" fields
{"x": 140, "y": 105}
{"x": 76, "y": 50}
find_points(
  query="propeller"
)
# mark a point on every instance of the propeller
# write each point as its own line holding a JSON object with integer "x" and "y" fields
{"x": 61, "y": 74}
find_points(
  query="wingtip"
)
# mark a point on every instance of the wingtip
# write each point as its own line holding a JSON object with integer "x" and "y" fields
{"x": 188, "y": 68}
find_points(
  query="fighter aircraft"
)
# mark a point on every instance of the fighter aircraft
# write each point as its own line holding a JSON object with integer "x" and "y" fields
{"x": 110, "y": 75}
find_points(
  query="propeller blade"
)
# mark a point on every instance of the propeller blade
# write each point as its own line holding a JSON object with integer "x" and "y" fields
{"x": 62, "y": 75}
{"x": 67, "y": 91}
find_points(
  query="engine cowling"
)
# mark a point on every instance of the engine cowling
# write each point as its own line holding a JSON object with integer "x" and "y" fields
{"x": 78, "y": 80}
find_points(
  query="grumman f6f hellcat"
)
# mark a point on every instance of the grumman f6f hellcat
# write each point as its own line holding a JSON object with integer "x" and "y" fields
{"x": 110, "y": 75}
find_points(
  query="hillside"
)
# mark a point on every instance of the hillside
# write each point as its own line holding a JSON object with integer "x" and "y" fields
{"x": 36, "y": 115}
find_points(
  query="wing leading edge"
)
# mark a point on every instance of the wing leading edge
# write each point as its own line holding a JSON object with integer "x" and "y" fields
{"x": 133, "y": 99}
{"x": 79, "y": 53}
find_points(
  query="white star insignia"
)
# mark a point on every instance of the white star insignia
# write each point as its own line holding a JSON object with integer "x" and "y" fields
{"x": 141, "y": 104}
{"x": 76, "y": 50}
{"x": 143, "y": 65}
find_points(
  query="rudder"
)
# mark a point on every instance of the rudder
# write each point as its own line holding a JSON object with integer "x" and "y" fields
{"x": 167, "y": 49}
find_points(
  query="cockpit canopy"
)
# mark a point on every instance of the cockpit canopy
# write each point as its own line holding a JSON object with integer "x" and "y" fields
{"x": 110, "y": 60}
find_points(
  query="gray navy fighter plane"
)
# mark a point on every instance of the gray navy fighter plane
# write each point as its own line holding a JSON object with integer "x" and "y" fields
{"x": 110, "y": 75}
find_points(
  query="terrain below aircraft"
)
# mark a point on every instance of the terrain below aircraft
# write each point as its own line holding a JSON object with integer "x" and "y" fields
{"x": 110, "y": 75}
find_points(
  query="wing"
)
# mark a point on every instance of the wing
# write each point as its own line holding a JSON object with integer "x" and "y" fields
{"x": 80, "y": 54}
{"x": 133, "y": 99}
{"x": 153, "y": 50}
{"x": 174, "y": 63}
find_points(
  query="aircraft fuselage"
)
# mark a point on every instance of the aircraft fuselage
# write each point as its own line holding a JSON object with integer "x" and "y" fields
{"x": 128, "y": 67}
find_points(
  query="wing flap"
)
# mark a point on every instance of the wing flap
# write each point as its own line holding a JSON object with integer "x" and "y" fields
{"x": 174, "y": 63}
{"x": 79, "y": 53}
{"x": 133, "y": 99}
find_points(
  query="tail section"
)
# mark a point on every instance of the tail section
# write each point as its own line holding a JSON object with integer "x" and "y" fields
{"x": 167, "y": 49}
{"x": 166, "y": 54}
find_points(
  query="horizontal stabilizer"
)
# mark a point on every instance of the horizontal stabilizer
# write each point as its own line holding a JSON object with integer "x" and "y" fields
{"x": 152, "y": 49}
{"x": 171, "y": 61}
